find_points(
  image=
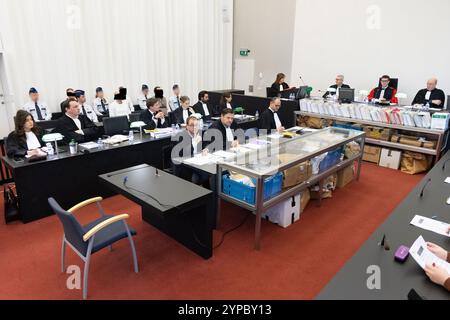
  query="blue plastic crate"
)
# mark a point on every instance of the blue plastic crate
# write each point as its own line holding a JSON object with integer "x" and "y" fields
{"x": 240, "y": 191}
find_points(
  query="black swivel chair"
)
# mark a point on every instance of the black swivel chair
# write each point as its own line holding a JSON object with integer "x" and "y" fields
{"x": 116, "y": 125}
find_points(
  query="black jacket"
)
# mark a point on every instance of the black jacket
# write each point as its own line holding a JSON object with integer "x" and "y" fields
{"x": 147, "y": 117}
{"x": 198, "y": 108}
{"x": 436, "y": 94}
{"x": 67, "y": 127}
{"x": 16, "y": 147}
{"x": 275, "y": 89}
{"x": 344, "y": 86}
{"x": 177, "y": 116}
{"x": 267, "y": 121}
{"x": 218, "y": 126}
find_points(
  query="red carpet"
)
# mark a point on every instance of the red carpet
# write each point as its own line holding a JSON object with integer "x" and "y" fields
{"x": 294, "y": 263}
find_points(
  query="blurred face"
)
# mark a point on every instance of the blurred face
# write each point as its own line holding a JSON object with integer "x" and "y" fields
{"x": 73, "y": 109}
{"x": 156, "y": 107}
{"x": 186, "y": 104}
{"x": 282, "y": 80}
{"x": 385, "y": 82}
{"x": 29, "y": 124}
{"x": 431, "y": 84}
{"x": 205, "y": 98}
{"x": 192, "y": 127}
{"x": 69, "y": 91}
{"x": 227, "y": 120}
{"x": 145, "y": 92}
{"x": 34, "y": 97}
{"x": 275, "y": 105}
{"x": 82, "y": 99}
{"x": 229, "y": 99}
{"x": 176, "y": 91}
{"x": 339, "y": 81}
{"x": 100, "y": 94}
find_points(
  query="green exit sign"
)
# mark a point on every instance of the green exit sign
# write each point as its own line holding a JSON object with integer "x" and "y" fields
{"x": 244, "y": 52}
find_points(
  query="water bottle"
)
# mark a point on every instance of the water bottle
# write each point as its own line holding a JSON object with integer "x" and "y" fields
{"x": 257, "y": 114}
{"x": 131, "y": 136}
{"x": 100, "y": 143}
{"x": 174, "y": 128}
{"x": 177, "y": 127}
{"x": 50, "y": 150}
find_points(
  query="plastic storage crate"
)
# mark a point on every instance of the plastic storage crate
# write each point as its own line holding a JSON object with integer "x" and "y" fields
{"x": 240, "y": 191}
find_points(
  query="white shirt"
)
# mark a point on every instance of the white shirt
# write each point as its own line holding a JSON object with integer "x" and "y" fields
{"x": 278, "y": 123}
{"x": 77, "y": 122}
{"x": 428, "y": 95}
{"x": 98, "y": 106}
{"x": 91, "y": 114}
{"x": 196, "y": 140}
{"x": 382, "y": 93}
{"x": 230, "y": 135}
{"x": 32, "y": 141}
{"x": 229, "y": 106}
{"x": 205, "y": 109}
{"x": 142, "y": 101}
{"x": 31, "y": 108}
{"x": 174, "y": 103}
{"x": 185, "y": 115}
{"x": 281, "y": 87}
{"x": 117, "y": 110}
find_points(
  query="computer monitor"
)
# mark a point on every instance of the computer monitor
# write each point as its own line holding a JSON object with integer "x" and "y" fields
{"x": 346, "y": 95}
{"x": 116, "y": 125}
{"x": 302, "y": 93}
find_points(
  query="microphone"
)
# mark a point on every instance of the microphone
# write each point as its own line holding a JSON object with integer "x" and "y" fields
{"x": 424, "y": 187}
{"x": 445, "y": 163}
{"x": 125, "y": 181}
{"x": 384, "y": 243}
{"x": 157, "y": 172}
{"x": 302, "y": 81}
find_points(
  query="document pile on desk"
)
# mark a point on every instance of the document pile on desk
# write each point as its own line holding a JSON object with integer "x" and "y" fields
{"x": 88, "y": 145}
{"x": 116, "y": 139}
{"x": 431, "y": 225}
{"x": 391, "y": 115}
{"x": 160, "y": 133}
{"x": 425, "y": 257}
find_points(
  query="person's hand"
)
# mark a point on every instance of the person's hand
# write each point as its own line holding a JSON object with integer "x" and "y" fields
{"x": 437, "y": 102}
{"x": 281, "y": 129}
{"x": 437, "y": 274}
{"x": 191, "y": 110}
{"x": 160, "y": 115}
{"x": 235, "y": 144}
{"x": 33, "y": 152}
{"x": 383, "y": 100}
{"x": 197, "y": 139}
{"x": 437, "y": 251}
{"x": 205, "y": 152}
{"x": 80, "y": 132}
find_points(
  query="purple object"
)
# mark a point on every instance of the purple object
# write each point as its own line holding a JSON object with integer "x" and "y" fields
{"x": 402, "y": 254}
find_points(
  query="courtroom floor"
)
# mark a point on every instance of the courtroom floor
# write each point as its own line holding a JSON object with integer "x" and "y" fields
{"x": 294, "y": 263}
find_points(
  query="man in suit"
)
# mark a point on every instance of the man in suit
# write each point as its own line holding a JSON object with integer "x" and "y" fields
{"x": 431, "y": 96}
{"x": 384, "y": 94}
{"x": 225, "y": 129}
{"x": 202, "y": 106}
{"x": 339, "y": 84}
{"x": 153, "y": 117}
{"x": 75, "y": 126}
{"x": 269, "y": 119}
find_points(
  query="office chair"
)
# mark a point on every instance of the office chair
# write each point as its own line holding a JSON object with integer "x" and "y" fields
{"x": 116, "y": 125}
{"x": 135, "y": 116}
{"x": 448, "y": 104}
{"x": 393, "y": 83}
{"x": 93, "y": 237}
{"x": 137, "y": 108}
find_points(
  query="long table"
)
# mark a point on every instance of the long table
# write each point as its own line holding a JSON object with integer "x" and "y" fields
{"x": 398, "y": 279}
{"x": 74, "y": 178}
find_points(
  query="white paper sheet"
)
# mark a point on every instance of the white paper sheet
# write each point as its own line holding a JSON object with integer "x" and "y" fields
{"x": 424, "y": 257}
{"x": 447, "y": 180}
{"x": 201, "y": 160}
{"x": 431, "y": 225}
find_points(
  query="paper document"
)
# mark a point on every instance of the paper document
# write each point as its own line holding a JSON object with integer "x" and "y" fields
{"x": 431, "y": 225}
{"x": 202, "y": 160}
{"x": 225, "y": 155}
{"x": 424, "y": 257}
{"x": 447, "y": 180}
{"x": 89, "y": 145}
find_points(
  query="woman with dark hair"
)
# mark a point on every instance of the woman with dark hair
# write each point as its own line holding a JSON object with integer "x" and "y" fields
{"x": 225, "y": 103}
{"x": 26, "y": 139}
{"x": 279, "y": 85}
{"x": 159, "y": 94}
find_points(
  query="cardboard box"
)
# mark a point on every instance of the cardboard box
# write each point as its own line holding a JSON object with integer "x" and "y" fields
{"x": 372, "y": 154}
{"x": 285, "y": 213}
{"x": 413, "y": 141}
{"x": 378, "y": 133}
{"x": 295, "y": 175}
{"x": 329, "y": 184}
{"x": 440, "y": 121}
{"x": 305, "y": 197}
{"x": 390, "y": 158}
{"x": 345, "y": 176}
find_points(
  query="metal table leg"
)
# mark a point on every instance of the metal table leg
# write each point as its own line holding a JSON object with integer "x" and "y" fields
{"x": 259, "y": 209}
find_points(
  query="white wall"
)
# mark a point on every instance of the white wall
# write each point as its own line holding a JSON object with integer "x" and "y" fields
{"x": 55, "y": 44}
{"x": 266, "y": 28}
{"x": 410, "y": 42}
